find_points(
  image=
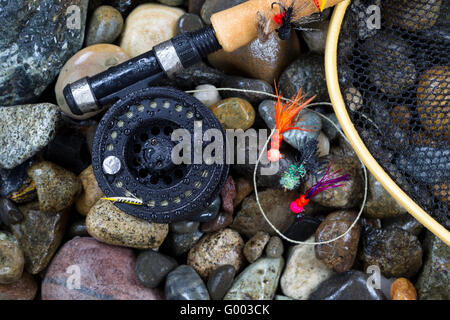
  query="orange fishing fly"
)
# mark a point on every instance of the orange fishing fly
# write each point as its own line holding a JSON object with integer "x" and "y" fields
{"x": 285, "y": 115}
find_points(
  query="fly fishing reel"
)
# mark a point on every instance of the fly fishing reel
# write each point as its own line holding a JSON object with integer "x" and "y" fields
{"x": 131, "y": 155}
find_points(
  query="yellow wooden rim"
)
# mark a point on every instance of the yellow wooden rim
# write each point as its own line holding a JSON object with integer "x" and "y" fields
{"x": 353, "y": 136}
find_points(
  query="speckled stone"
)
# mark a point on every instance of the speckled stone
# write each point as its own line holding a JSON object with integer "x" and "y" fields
{"x": 37, "y": 38}
{"x": 11, "y": 261}
{"x": 184, "y": 283}
{"x": 25, "y": 130}
{"x": 139, "y": 36}
{"x": 56, "y": 187}
{"x": 259, "y": 281}
{"x": 249, "y": 221}
{"x": 259, "y": 60}
{"x": 178, "y": 244}
{"x": 254, "y": 247}
{"x": 350, "y": 285}
{"x": 39, "y": 234}
{"x": 152, "y": 267}
{"x": 91, "y": 191}
{"x": 106, "y": 273}
{"x": 220, "y": 280}
{"x": 189, "y": 22}
{"x": 234, "y": 113}
{"x": 87, "y": 62}
{"x": 340, "y": 254}
{"x": 105, "y": 25}
{"x": 246, "y": 84}
{"x": 303, "y": 272}
{"x": 274, "y": 248}
{"x": 380, "y": 204}
{"x": 110, "y": 225}
{"x": 216, "y": 249}
{"x": 434, "y": 279}
{"x": 403, "y": 289}
{"x": 23, "y": 289}
{"x": 397, "y": 252}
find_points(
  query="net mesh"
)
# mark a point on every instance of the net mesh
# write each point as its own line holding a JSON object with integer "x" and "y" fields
{"x": 394, "y": 74}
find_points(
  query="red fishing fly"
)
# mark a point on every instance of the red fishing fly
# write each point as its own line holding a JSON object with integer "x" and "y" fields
{"x": 328, "y": 181}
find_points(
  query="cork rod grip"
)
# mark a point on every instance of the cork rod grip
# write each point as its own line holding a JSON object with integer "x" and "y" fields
{"x": 236, "y": 26}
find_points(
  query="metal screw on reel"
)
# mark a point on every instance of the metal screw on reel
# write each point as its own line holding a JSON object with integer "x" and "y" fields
{"x": 131, "y": 155}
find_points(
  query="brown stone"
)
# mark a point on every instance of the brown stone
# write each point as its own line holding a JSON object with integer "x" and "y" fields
{"x": 234, "y": 113}
{"x": 106, "y": 273}
{"x": 221, "y": 221}
{"x": 260, "y": 60}
{"x": 403, "y": 289}
{"x": 217, "y": 249}
{"x": 11, "y": 261}
{"x": 23, "y": 289}
{"x": 254, "y": 247}
{"x": 91, "y": 192}
{"x": 228, "y": 193}
{"x": 243, "y": 188}
{"x": 340, "y": 254}
{"x": 56, "y": 187}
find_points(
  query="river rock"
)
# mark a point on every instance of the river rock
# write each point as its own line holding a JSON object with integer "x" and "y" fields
{"x": 234, "y": 113}
{"x": 274, "y": 248}
{"x": 78, "y": 229}
{"x": 317, "y": 36}
{"x": 178, "y": 244}
{"x": 275, "y": 204}
{"x": 403, "y": 289}
{"x": 87, "y": 62}
{"x": 306, "y": 73}
{"x": 198, "y": 74}
{"x": 184, "y": 283}
{"x": 39, "y": 235}
{"x": 247, "y": 60}
{"x": 139, "y": 36}
{"x": 152, "y": 267}
{"x": 11, "y": 261}
{"x": 340, "y": 254}
{"x": 380, "y": 204}
{"x": 105, "y": 25}
{"x": 209, "y": 97}
{"x": 13, "y": 183}
{"x": 211, "y": 212}
{"x": 220, "y": 280}
{"x": 9, "y": 213}
{"x": 350, "y": 285}
{"x": 216, "y": 249}
{"x": 195, "y": 6}
{"x": 221, "y": 221}
{"x": 259, "y": 281}
{"x": 406, "y": 222}
{"x": 32, "y": 52}
{"x": 25, "y": 130}
{"x": 91, "y": 191}
{"x": 185, "y": 226}
{"x": 246, "y": 84}
{"x": 254, "y": 247}
{"x": 303, "y": 227}
{"x": 56, "y": 187}
{"x": 110, "y": 225}
{"x": 243, "y": 188}
{"x": 434, "y": 279}
{"x": 23, "y": 289}
{"x": 105, "y": 273}
{"x": 189, "y": 22}
{"x": 397, "y": 252}
{"x": 212, "y": 6}
{"x": 304, "y": 272}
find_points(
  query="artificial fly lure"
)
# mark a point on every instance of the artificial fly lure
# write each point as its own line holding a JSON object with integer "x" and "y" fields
{"x": 285, "y": 115}
{"x": 328, "y": 181}
{"x": 131, "y": 199}
{"x": 307, "y": 162}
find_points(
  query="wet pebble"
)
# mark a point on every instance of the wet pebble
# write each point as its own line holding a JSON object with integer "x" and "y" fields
{"x": 91, "y": 191}
{"x": 221, "y": 221}
{"x": 23, "y": 289}
{"x": 323, "y": 145}
{"x": 234, "y": 113}
{"x": 172, "y": 3}
{"x": 220, "y": 280}
{"x": 209, "y": 97}
{"x": 243, "y": 188}
{"x": 189, "y": 22}
{"x": 179, "y": 244}
{"x": 9, "y": 213}
{"x": 254, "y": 247}
{"x": 216, "y": 249}
{"x": 184, "y": 283}
{"x": 78, "y": 229}
{"x": 403, "y": 289}
{"x": 406, "y": 222}
{"x": 14, "y": 182}
{"x": 340, "y": 254}
{"x": 11, "y": 260}
{"x": 259, "y": 281}
{"x": 56, "y": 187}
{"x": 185, "y": 226}
{"x": 107, "y": 273}
{"x": 274, "y": 248}
{"x": 25, "y": 130}
{"x": 152, "y": 267}
{"x": 246, "y": 84}
{"x": 210, "y": 213}
{"x": 303, "y": 228}
{"x": 397, "y": 252}
{"x": 105, "y": 25}
{"x": 109, "y": 224}
{"x": 303, "y": 272}
{"x": 327, "y": 128}
{"x": 316, "y": 38}
{"x": 198, "y": 74}
{"x": 212, "y": 6}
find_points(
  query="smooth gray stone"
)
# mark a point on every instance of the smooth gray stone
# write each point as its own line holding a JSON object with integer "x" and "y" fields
{"x": 184, "y": 283}
{"x": 220, "y": 280}
{"x": 152, "y": 267}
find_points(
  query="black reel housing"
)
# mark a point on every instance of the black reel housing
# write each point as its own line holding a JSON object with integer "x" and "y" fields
{"x": 136, "y": 133}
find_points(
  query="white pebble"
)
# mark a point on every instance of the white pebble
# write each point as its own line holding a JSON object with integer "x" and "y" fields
{"x": 208, "y": 97}
{"x": 323, "y": 145}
